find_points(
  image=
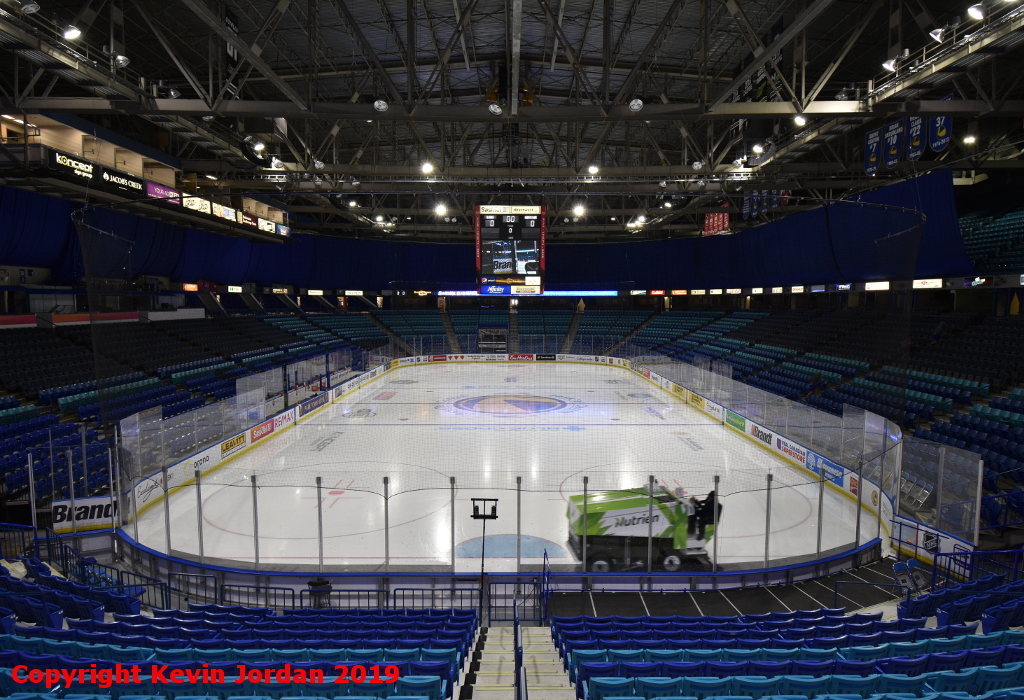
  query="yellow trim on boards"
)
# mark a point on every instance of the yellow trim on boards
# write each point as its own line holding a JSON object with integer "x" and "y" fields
{"x": 788, "y": 460}
{"x": 676, "y": 397}
{"x": 192, "y": 480}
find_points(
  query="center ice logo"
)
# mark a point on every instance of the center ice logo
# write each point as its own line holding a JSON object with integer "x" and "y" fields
{"x": 510, "y": 405}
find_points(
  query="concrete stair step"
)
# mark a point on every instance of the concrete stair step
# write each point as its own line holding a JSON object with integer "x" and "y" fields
{"x": 546, "y": 665}
{"x": 532, "y": 679}
{"x": 537, "y": 692}
{"x": 510, "y": 655}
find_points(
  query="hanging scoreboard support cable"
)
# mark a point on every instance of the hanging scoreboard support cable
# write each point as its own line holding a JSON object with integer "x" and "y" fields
{"x": 510, "y": 249}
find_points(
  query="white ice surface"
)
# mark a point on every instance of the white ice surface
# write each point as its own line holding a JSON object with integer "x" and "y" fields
{"x": 486, "y": 424}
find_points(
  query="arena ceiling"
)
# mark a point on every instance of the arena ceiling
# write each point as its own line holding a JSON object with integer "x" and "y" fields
{"x": 372, "y": 113}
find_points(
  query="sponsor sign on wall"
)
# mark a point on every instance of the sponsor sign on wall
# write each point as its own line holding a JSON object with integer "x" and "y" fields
{"x": 88, "y": 514}
{"x": 735, "y": 420}
{"x": 310, "y": 405}
{"x": 232, "y": 446}
{"x": 168, "y": 194}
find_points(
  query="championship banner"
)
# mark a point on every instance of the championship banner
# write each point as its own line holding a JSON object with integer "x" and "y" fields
{"x": 915, "y": 138}
{"x": 775, "y": 199}
{"x": 940, "y": 130}
{"x": 893, "y": 143}
{"x": 872, "y": 144}
{"x": 746, "y": 206}
{"x": 755, "y": 207}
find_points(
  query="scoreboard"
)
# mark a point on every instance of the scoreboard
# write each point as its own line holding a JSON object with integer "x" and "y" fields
{"x": 510, "y": 255}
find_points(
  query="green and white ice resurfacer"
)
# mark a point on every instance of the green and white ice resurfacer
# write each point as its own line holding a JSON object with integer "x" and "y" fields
{"x": 618, "y": 524}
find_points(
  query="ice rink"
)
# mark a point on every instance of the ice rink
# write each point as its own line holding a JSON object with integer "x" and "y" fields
{"x": 485, "y": 424}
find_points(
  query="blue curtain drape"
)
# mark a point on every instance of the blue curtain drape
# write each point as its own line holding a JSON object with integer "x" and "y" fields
{"x": 844, "y": 241}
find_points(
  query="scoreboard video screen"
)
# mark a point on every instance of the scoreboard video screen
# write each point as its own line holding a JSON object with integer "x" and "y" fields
{"x": 510, "y": 256}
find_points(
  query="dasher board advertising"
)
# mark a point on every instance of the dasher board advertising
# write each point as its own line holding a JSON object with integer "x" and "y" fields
{"x": 510, "y": 249}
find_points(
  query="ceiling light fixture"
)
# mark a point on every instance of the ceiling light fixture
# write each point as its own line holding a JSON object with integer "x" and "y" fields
{"x": 944, "y": 32}
{"x": 440, "y": 209}
{"x": 976, "y": 11}
{"x": 890, "y": 65}
{"x": 208, "y": 118}
{"x": 969, "y": 139}
{"x": 379, "y": 218}
{"x": 636, "y": 104}
{"x": 318, "y": 164}
{"x": 641, "y": 218}
{"x": 800, "y": 120}
{"x": 276, "y": 163}
{"x": 758, "y": 148}
{"x": 578, "y": 210}
{"x": 29, "y": 8}
{"x": 697, "y": 164}
{"x": 380, "y": 105}
{"x": 71, "y": 32}
{"x": 494, "y": 108}
{"x": 667, "y": 205}
{"x": 427, "y": 168}
{"x": 592, "y": 170}
{"x": 173, "y": 93}
{"x": 121, "y": 61}
{"x": 353, "y": 203}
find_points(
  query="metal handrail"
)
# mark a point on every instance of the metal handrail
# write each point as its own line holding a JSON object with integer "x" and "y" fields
{"x": 835, "y": 588}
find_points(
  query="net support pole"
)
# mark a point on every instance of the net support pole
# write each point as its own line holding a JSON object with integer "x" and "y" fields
{"x": 767, "y": 519}
{"x": 115, "y": 481}
{"x": 650, "y": 523}
{"x": 939, "y": 487}
{"x": 255, "y": 524}
{"x": 451, "y": 483}
{"x": 881, "y": 482}
{"x": 199, "y": 516}
{"x": 977, "y": 502}
{"x": 821, "y": 504}
{"x": 135, "y": 509}
{"x": 519, "y": 524}
{"x": 320, "y": 523}
{"x": 71, "y": 486}
{"x": 53, "y": 475}
{"x": 583, "y": 525}
{"x": 860, "y": 500}
{"x": 32, "y": 495}
{"x": 113, "y": 504}
{"x": 85, "y": 464}
{"x": 714, "y": 522}
{"x": 387, "y": 535}
{"x": 167, "y": 512}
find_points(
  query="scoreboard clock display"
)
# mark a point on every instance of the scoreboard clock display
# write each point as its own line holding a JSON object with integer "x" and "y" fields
{"x": 510, "y": 255}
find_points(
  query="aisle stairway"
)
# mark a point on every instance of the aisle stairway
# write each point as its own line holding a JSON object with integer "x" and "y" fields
{"x": 493, "y": 676}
